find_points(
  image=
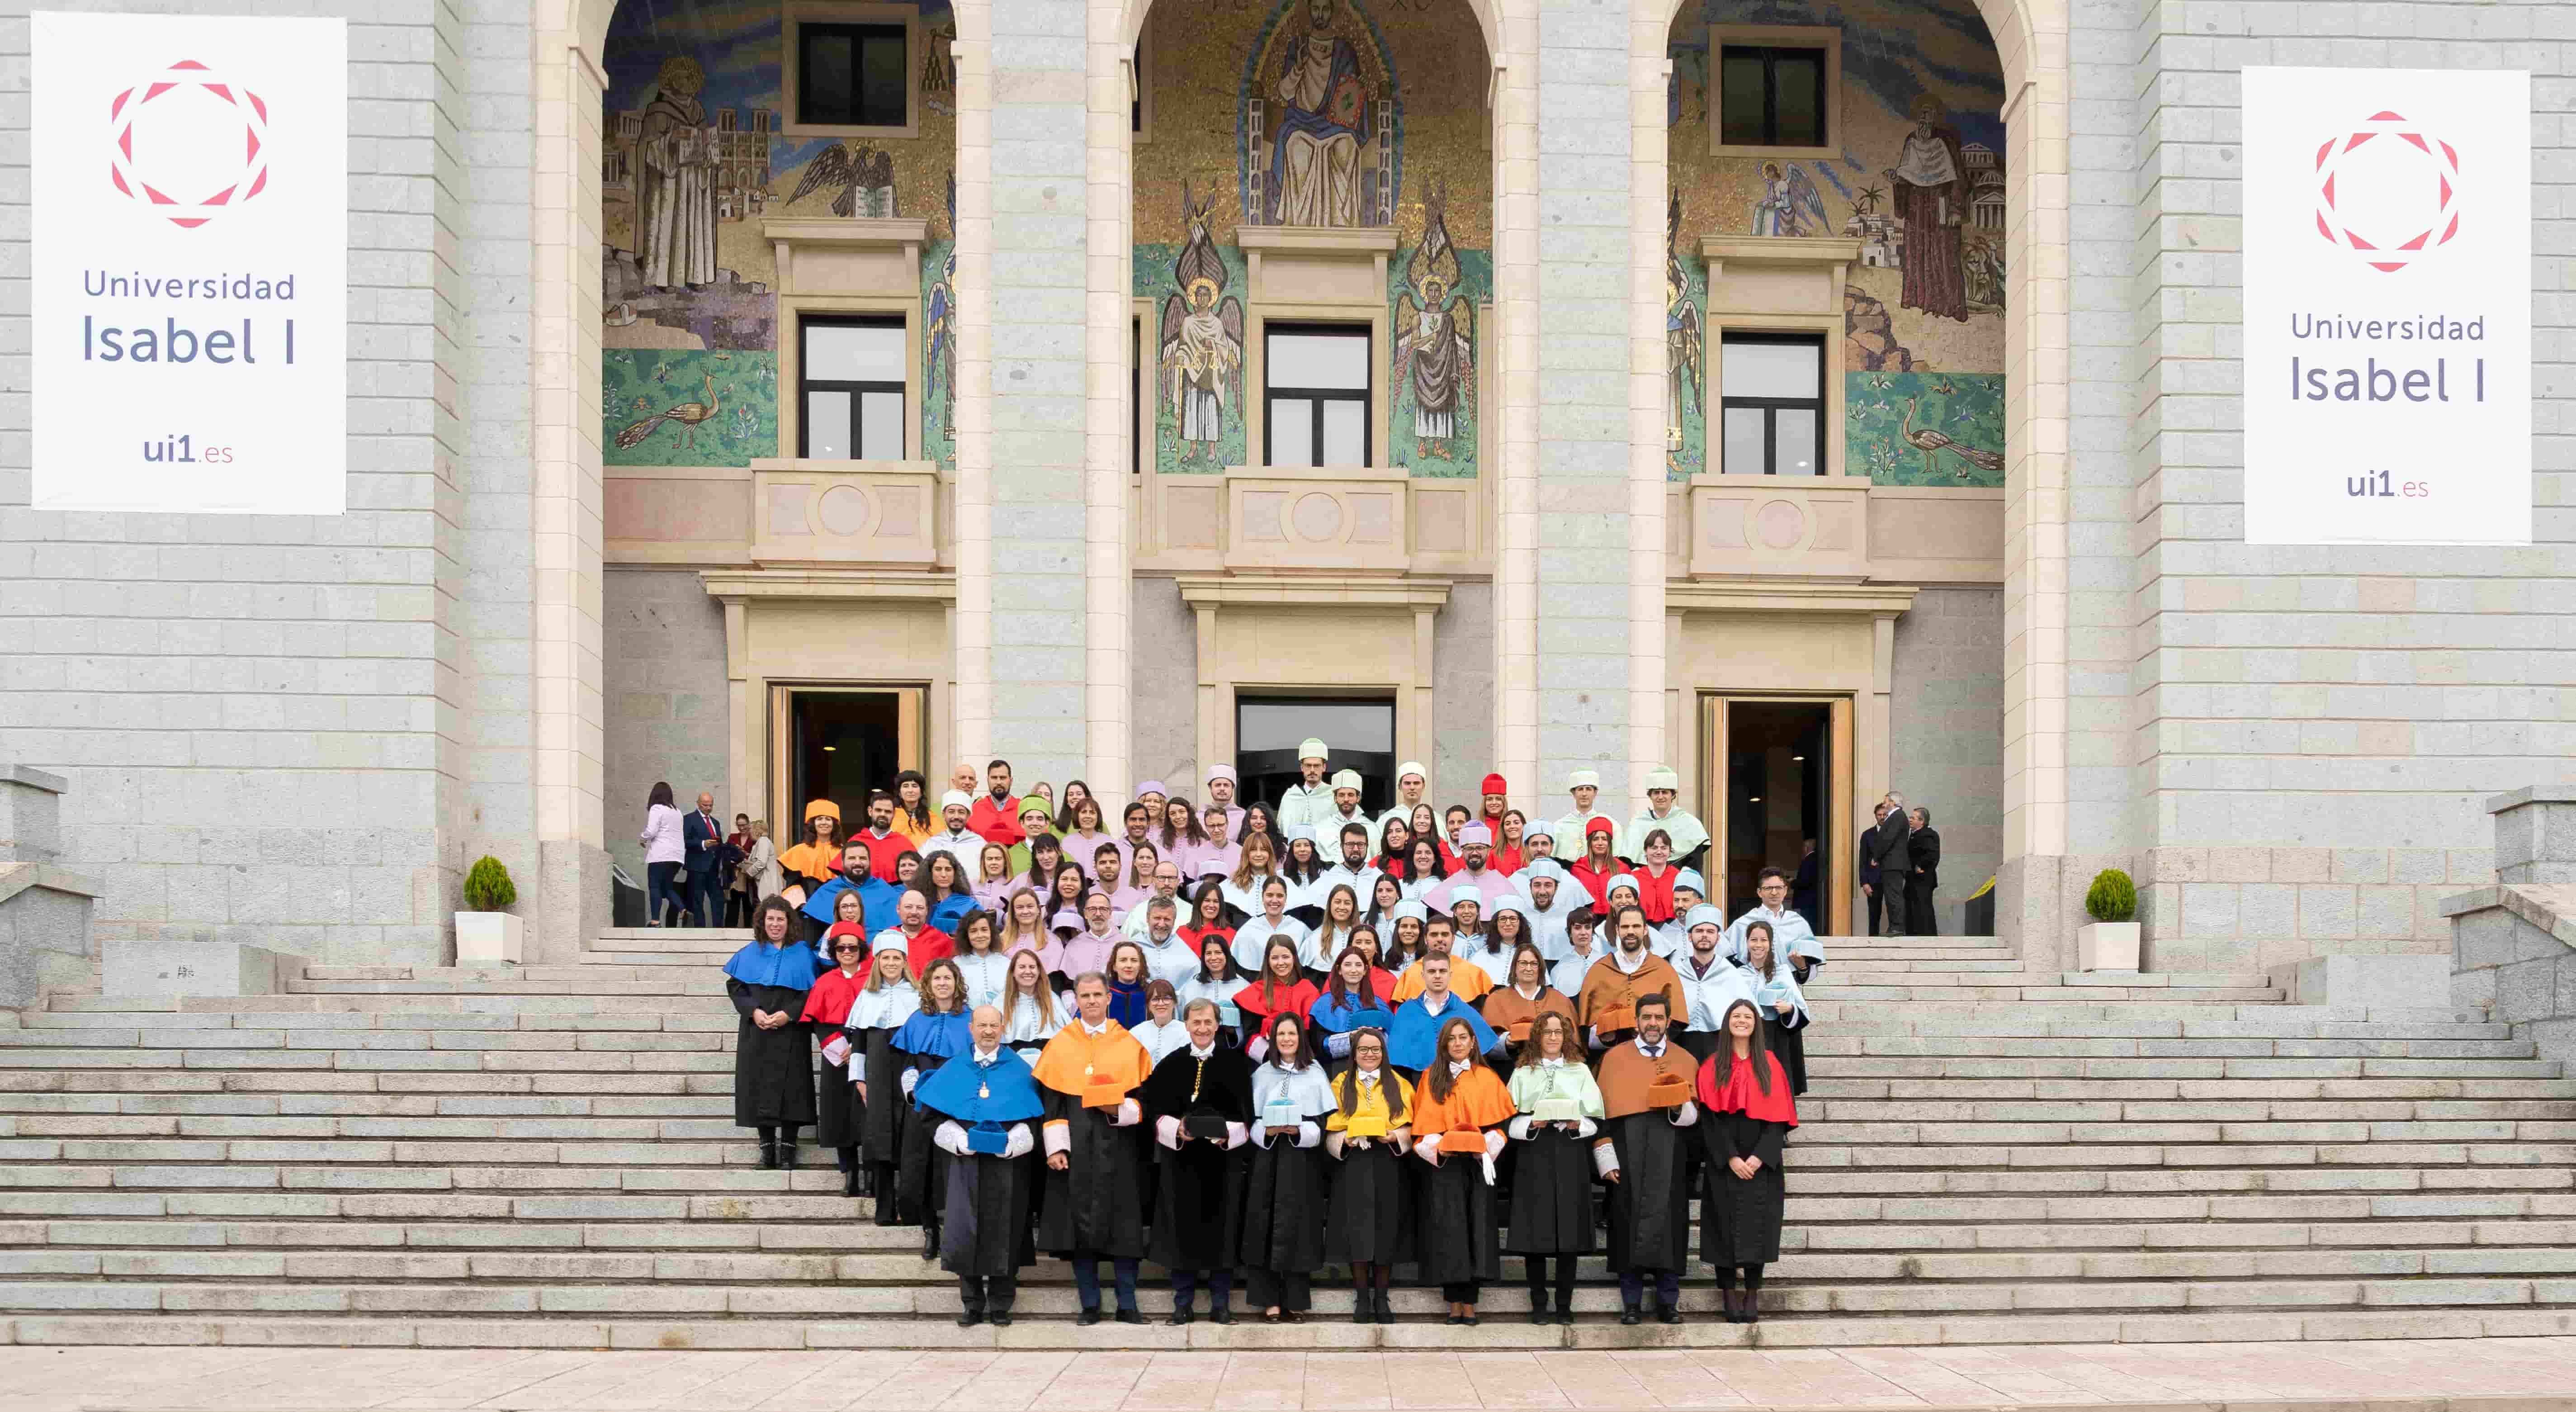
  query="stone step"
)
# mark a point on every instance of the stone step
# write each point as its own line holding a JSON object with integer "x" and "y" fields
{"x": 617, "y": 936}
{"x": 879, "y": 1331}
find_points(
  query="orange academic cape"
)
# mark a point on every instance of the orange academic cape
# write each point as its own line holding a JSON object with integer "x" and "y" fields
{"x": 1097, "y": 1070}
{"x": 1609, "y": 991}
{"x": 1626, "y": 1072}
{"x": 1477, "y": 1100}
{"x": 1467, "y": 981}
{"x": 1504, "y": 1009}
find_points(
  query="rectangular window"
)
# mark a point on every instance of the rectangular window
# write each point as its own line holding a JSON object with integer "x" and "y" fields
{"x": 851, "y": 75}
{"x": 1772, "y": 386}
{"x": 852, "y": 383}
{"x": 1771, "y": 96}
{"x": 1315, "y": 405}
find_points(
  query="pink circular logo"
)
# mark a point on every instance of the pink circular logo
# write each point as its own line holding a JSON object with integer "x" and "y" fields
{"x": 187, "y": 144}
{"x": 2388, "y": 191}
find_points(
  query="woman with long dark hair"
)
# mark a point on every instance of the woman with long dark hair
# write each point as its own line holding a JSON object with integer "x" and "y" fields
{"x": 877, "y": 1015}
{"x": 665, "y": 857}
{"x": 1284, "y": 1192}
{"x": 1559, "y": 1110}
{"x": 912, "y": 808}
{"x": 1458, "y": 1116}
{"x": 1745, "y": 1095}
{"x": 1181, "y": 837}
{"x": 773, "y": 1063}
{"x": 1782, "y": 1004}
{"x": 1369, "y": 1227}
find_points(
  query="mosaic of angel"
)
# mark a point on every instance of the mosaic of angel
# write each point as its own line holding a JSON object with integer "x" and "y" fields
{"x": 1201, "y": 339}
{"x": 1435, "y": 338}
{"x": 1790, "y": 204}
{"x": 1684, "y": 343}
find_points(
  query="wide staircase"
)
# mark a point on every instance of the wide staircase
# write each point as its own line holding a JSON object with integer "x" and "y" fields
{"x": 546, "y": 1157}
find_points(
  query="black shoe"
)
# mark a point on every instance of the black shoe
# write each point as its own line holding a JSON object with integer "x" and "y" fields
{"x": 1221, "y": 1315}
{"x": 850, "y": 1183}
{"x": 1182, "y": 1316}
{"x": 1668, "y": 1316}
{"x": 1362, "y": 1311}
{"x": 1539, "y": 1315}
{"x": 1631, "y": 1317}
{"x": 787, "y": 1154}
{"x": 930, "y": 1242}
{"x": 970, "y": 1318}
{"x": 1469, "y": 1321}
{"x": 1385, "y": 1307}
{"x": 1752, "y": 1310}
{"x": 769, "y": 1154}
{"x": 1130, "y": 1316}
{"x": 1087, "y": 1318}
{"x": 1457, "y": 1318}
{"x": 1565, "y": 1316}
{"x": 999, "y": 1318}
{"x": 866, "y": 1177}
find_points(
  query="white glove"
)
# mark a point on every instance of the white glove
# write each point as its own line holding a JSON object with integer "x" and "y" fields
{"x": 910, "y": 1077}
{"x": 1592, "y": 1036}
{"x": 1487, "y": 1161}
{"x": 1428, "y": 1151}
{"x": 1258, "y": 1047}
{"x": 1167, "y": 1131}
{"x": 1260, "y": 1134}
{"x": 1019, "y": 1143}
{"x": 1059, "y": 1138}
{"x": 1334, "y": 1142}
{"x": 1129, "y": 1115}
{"x": 1235, "y": 1133}
{"x": 1519, "y": 1127}
{"x": 1308, "y": 1134}
{"x": 1605, "y": 1160}
{"x": 1686, "y": 1115}
{"x": 1493, "y": 1145}
{"x": 1401, "y": 1140}
{"x": 1585, "y": 1127}
{"x": 1338, "y": 1045}
{"x": 950, "y": 1139}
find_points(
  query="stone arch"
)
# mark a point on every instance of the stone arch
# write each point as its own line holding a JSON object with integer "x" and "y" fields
{"x": 2031, "y": 45}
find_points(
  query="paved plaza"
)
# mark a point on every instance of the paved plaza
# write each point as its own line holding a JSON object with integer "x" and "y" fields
{"x": 2451, "y": 1375}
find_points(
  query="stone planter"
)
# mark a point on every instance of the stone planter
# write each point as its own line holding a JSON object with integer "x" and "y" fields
{"x": 489, "y": 938}
{"x": 2107, "y": 946}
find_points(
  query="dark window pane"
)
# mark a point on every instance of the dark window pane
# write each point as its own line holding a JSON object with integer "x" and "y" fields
{"x": 1741, "y": 84}
{"x": 851, "y": 75}
{"x": 1798, "y": 97}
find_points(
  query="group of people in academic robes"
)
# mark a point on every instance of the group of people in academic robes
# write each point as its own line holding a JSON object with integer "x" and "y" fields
{"x": 1366, "y": 1046}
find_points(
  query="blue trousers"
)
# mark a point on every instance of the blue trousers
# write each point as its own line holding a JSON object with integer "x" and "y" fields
{"x": 665, "y": 883}
{"x": 1086, "y": 1281}
{"x": 1185, "y": 1288}
{"x": 1632, "y": 1288}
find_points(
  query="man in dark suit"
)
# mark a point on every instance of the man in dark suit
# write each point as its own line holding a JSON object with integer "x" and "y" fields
{"x": 704, "y": 839}
{"x": 1895, "y": 862}
{"x": 1867, "y": 869}
{"x": 1802, "y": 887}
{"x": 1925, "y": 845}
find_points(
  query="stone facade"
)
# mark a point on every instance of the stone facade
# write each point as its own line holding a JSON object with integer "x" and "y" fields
{"x": 669, "y": 717}
{"x": 298, "y": 732}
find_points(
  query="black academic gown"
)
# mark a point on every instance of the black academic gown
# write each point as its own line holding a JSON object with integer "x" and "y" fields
{"x": 984, "y": 1211}
{"x": 1550, "y": 1209}
{"x": 886, "y": 1116}
{"x": 1650, "y": 1203}
{"x": 1286, "y": 1193}
{"x": 1369, "y": 1206}
{"x": 1739, "y": 1222}
{"x": 1787, "y": 1037}
{"x": 773, "y": 1070}
{"x": 1096, "y": 1205}
{"x": 1457, "y": 1221}
{"x": 1198, "y": 1198}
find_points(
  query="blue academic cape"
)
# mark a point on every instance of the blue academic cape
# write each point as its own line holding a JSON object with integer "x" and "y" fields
{"x": 787, "y": 964}
{"x": 876, "y": 896}
{"x": 1002, "y": 1093}
{"x": 1409, "y": 1043}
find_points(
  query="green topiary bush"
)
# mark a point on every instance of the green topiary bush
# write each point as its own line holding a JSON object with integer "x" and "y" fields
{"x": 488, "y": 887}
{"x": 2112, "y": 897}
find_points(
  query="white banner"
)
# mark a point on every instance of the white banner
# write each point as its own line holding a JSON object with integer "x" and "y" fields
{"x": 190, "y": 300}
{"x": 2387, "y": 306}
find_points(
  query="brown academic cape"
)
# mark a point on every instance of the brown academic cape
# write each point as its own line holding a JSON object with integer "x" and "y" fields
{"x": 1650, "y": 1203}
{"x": 1503, "y": 1007}
{"x": 1609, "y": 999}
{"x": 1097, "y": 1204}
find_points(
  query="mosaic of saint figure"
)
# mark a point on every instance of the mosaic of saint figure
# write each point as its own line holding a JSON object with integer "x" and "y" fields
{"x": 1683, "y": 342}
{"x": 1315, "y": 79}
{"x": 1201, "y": 340}
{"x": 1435, "y": 341}
{"x": 1929, "y": 189}
{"x": 676, "y": 180}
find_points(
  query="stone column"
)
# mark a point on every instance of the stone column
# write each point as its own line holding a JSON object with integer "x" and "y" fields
{"x": 1583, "y": 395}
{"x": 1023, "y": 278}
